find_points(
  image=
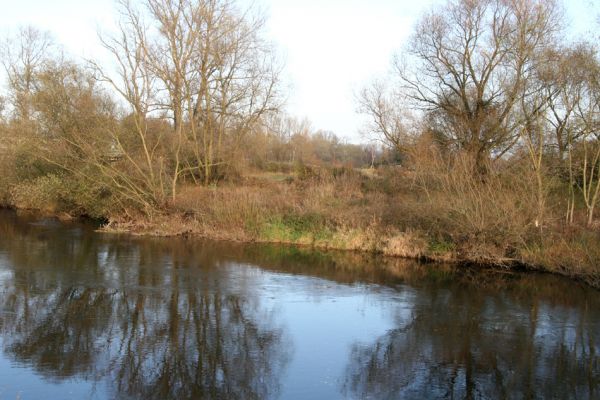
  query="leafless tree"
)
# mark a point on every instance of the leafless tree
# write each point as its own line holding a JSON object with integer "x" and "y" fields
{"x": 467, "y": 64}
{"x": 22, "y": 56}
{"x": 134, "y": 82}
{"x": 566, "y": 77}
{"x": 587, "y": 113}
{"x": 202, "y": 63}
{"x": 391, "y": 124}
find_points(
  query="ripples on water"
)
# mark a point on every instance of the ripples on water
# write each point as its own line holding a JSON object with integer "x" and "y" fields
{"x": 91, "y": 316}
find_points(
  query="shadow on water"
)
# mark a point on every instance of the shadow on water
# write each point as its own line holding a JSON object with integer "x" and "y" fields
{"x": 177, "y": 319}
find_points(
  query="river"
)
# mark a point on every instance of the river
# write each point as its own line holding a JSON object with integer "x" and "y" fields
{"x": 86, "y": 315}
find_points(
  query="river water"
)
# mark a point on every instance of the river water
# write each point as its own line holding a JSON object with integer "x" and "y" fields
{"x": 85, "y": 315}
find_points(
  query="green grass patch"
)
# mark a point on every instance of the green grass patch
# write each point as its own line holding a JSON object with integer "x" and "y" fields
{"x": 296, "y": 228}
{"x": 441, "y": 246}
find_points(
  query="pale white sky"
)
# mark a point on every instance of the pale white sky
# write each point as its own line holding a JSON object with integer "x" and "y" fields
{"x": 330, "y": 47}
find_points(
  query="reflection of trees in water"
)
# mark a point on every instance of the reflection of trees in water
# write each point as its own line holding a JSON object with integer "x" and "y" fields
{"x": 463, "y": 344}
{"x": 149, "y": 320}
{"x": 171, "y": 345}
{"x": 169, "y": 319}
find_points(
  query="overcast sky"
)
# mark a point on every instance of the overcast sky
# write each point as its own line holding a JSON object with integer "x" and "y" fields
{"x": 330, "y": 47}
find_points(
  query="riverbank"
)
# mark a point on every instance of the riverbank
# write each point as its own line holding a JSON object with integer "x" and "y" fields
{"x": 407, "y": 245}
{"x": 373, "y": 214}
{"x": 379, "y": 212}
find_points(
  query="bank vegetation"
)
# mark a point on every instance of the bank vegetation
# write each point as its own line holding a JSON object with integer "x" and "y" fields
{"x": 483, "y": 140}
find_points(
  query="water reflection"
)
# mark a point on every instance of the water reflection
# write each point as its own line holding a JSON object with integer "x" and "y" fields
{"x": 106, "y": 311}
{"x": 474, "y": 343}
{"x": 181, "y": 319}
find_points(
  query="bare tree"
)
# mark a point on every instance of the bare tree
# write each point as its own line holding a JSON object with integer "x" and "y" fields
{"x": 566, "y": 77}
{"x": 388, "y": 121}
{"x": 205, "y": 66}
{"x": 143, "y": 177}
{"x": 238, "y": 83}
{"x": 22, "y": 57}
{"x": 467, "y": 64}
{"x": 533, "y": 105}
{"x": 587, "y": 112}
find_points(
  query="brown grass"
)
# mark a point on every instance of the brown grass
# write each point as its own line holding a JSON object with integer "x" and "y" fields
{"x": 439, "y": 212}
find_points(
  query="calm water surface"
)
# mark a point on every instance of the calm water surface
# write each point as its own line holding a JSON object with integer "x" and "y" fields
{"x": 90, "y": 316}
